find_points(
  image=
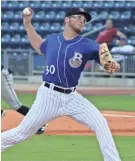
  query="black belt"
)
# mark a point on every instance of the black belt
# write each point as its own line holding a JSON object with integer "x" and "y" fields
{"x": 58, "y": 89}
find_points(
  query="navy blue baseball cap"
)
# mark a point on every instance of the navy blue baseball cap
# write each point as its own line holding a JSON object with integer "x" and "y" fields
{"x": 78, "y": 11}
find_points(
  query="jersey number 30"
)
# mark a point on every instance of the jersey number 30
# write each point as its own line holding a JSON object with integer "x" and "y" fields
{"x": 50, "y": 69}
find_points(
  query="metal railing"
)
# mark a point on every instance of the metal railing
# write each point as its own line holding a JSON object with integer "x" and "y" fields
{"x": 27, "y": 63}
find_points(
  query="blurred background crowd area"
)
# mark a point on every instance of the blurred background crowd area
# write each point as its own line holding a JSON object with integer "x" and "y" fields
{"x": 48, "y": 18}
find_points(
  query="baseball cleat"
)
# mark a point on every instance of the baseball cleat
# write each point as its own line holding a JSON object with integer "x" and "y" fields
{"x": 3, "y": 112}
{"x": 42, "y": 129}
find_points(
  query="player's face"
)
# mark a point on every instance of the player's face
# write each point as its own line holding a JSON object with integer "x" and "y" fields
{"x": 77, "y": 22}
{"x": 109, "y": 24}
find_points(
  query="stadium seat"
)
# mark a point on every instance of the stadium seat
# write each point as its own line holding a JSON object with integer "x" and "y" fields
{"x": 104, "y": 15}
{"x": 126, "y": 15}
{"x": 14, "y": 27}
{"x": 93, "y": 14}
{"x": 50, "y": 15}
{"x": 22, "y": 5}
{"x": 4, "y": 4}
{"x": 132, "y": 40}
{"x": 66, "y": 4}
{"x": 108, "y": 4}
{"x": 16, "y": 39}
{"x": 18, "y": 16}
{"x": 87, "y": 4}
{"x": 98, "y": 26}
{"x": 5, "y": 26}
{"x": 10, "y": 15}
{"x": 21, "y": 28}
{"x": 129, "y": 4}
{"x": 24, "y": 40}
{"x": 44, "y": 26}
{"x": 55, "y": 27}
{"x": 39, "y": 16}
{"x": 77, "y": 4}
{"x": 56, "y": 4}
{"x": 34, "y": 4}
{"x": 97, "y": 4}
{"x": 115, "y": 15}
{"x": 6, "y": 39}
{"x": 60, "y": 15}
{"x": 119, "y": 4}
{"x": 46, "y": 5}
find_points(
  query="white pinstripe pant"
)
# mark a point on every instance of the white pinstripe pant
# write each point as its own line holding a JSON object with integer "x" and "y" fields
{"x": 50, "y": 104}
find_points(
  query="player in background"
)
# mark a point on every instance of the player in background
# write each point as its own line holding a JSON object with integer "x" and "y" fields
{"x": 9, "y": 95}
{"x": 109, "y": 33}
{"x": 66, "y": 55}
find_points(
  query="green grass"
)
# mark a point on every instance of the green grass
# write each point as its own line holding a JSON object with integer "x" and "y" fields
{"x": 122, "y": 103}
{"x": 66, "y": 148}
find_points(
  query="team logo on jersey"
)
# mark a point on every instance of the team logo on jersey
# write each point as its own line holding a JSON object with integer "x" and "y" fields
{"x": 76, "y": 60}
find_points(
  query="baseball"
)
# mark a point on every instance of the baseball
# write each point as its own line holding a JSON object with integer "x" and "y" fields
{"x": 27, "y": 12}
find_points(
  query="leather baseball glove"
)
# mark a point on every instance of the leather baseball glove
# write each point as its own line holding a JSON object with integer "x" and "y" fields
{"x": 106, "y": 60}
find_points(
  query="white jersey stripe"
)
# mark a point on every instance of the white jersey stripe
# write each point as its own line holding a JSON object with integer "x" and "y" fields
{"x": 65, "y": 59}
{"x": 58, "y": 59}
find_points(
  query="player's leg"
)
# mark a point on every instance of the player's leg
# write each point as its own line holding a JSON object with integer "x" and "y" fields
{"x": 9, "y": 95}
{"x": 45, "y": 108}
{"x": 3, "y": 112}
{"x": 85, "y": 112}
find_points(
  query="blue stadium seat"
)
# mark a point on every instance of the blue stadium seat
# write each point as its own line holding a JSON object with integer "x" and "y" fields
{"x": 60, "y": 15}
{"x": 87, "y": 4}
{"x": 119, "y": 4}
{"x": 16, "y": 39}
{"x": 14, "y": 27}
{"x": 21, "y": 28}
{"x": 98, "y": 4}
{"x": 66, "y": 4}
{"x": 93, "y": 14}
{"x": 35, "y": 4}
{"x": 18, "y": 15}
{"x": 22, "y": 5}
{"x": 46, "y": 4}
{"x": 104, "y": 15}
{"x": 98, "y": 26}
{"x": 4, "y": 4}
{"x": 3, "y": 16}
{"x": 77, "y": 4}
{"x": 10, "y": 15}
{"x": 132, "y": 40}
{"x": 56, "y": 4}
{"x": 5, "y": 39}
{"x": 39, "y": 16}
{"x": 108, "y": 4}
{"x": 44, "y": 27}
{"x": 126, "y": 15}
{"x": 115, "y": 15}
{"x": 50, "y": 15}
{"x": 129, "y": 4}
{"x": 24, "y": 40}
{"x": 5, "y": 26}
{"x": 55, "y": 27}
{"x": 12, "y": 5}
{"x": 88, "y": 27}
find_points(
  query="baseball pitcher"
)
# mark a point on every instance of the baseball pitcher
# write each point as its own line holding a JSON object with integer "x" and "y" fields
{"x": 66, "y": 55}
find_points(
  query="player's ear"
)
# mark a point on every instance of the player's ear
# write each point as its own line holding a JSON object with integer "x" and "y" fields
{"x": 66, "y": 20}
